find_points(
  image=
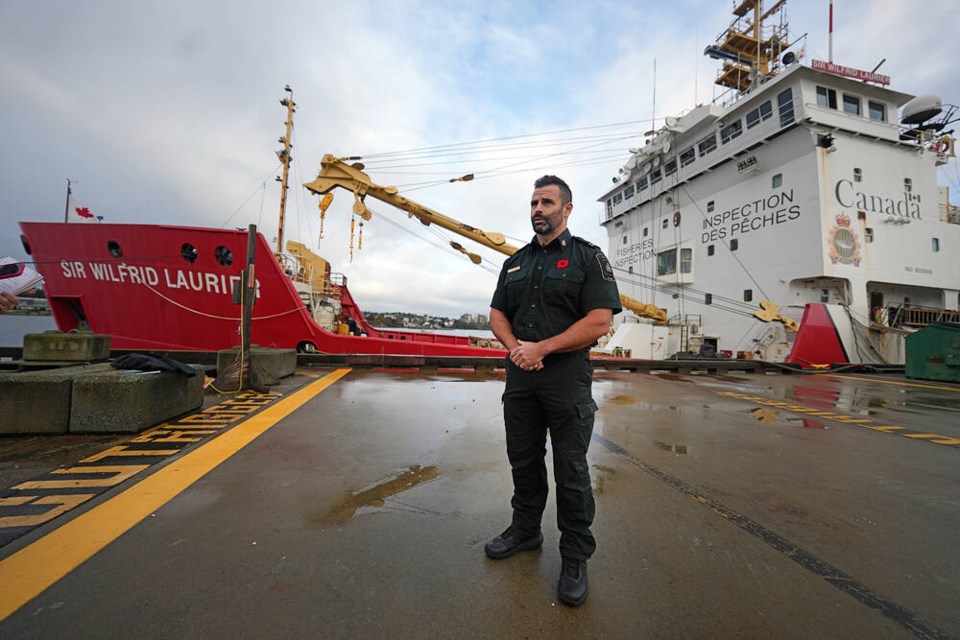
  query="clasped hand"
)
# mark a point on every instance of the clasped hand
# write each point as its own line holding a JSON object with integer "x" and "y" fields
{"x": 527, "y": 356}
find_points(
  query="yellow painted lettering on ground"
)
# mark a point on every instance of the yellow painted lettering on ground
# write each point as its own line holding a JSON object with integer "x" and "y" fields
{"x": 240, "y": 409}
{"x": 14, "y": 501}
{"x": 59, "y": 504}
{"x": 122, "y": 450}
{"x": 205, "y": 418}
{"x": 181, "y": 436}
{"x": 119, "y": 473}
{"x": 160, "y": 436}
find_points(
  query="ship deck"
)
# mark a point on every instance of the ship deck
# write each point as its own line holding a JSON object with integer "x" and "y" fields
{"x": 355, "y": 503}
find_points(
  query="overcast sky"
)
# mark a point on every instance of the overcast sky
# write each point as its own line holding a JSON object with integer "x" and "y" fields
{"x": 168, "y": 112}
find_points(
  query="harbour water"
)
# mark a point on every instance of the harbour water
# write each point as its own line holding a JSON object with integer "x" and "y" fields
{"x": 14, "y": 327}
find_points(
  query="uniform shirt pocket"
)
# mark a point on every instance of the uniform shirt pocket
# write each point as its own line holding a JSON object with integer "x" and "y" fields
{"x": 516, "y": 286}
{"x": 566, "y": 283}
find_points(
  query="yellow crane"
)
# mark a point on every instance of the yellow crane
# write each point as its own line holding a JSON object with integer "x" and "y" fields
{"x": 336, "y": 172}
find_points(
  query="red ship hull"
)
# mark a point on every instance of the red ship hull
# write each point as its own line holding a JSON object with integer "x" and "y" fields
{"x": 156, "y": 287}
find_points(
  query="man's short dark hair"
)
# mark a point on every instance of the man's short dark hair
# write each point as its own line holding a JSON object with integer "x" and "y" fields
{"x": 545, "y": 181}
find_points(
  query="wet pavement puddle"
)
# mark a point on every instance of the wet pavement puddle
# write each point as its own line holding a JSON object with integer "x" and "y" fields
{"x": 773, "y": 416}
{"x": 374, "y": 497}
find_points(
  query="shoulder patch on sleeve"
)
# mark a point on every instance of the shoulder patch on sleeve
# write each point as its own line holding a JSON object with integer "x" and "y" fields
{"x": 605, "y": 269}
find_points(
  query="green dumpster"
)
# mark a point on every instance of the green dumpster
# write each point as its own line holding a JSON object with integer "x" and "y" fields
{"x": 933, "y": 353}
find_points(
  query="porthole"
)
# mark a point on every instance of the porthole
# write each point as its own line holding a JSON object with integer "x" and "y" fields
{"x": 224, "y": 256}
{"x": 189, "y": 252}
{"x": 114, "y": 248}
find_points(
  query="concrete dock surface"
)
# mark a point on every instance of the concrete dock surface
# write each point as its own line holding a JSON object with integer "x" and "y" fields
{"x": 728, "y": 506}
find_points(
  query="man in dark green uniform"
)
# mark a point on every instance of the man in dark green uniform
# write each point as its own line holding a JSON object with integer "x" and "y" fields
{"x": 554, "y": 298}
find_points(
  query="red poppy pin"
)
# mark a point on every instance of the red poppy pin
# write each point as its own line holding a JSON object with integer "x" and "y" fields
{"x": 562, "y": 264}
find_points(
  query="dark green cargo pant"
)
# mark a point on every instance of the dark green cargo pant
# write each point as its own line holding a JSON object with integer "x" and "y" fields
{"x": 557, "y": 398}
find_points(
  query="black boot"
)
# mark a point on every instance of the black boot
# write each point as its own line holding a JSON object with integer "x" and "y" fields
{"x": 506, "y": 544}
{"x": 572, "y": 586}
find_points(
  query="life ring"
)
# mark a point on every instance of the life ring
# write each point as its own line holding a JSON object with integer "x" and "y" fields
{"x": 676, "y": 219}
{"x": 942, "y": 145}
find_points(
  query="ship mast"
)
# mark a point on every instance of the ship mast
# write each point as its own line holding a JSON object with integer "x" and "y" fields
{"x": 748, "y": 57}
{"x": 284, "y": 155}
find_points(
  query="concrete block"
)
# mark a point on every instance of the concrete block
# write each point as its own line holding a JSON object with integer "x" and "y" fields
{"x": 128, "y": 402}
{"x": 38, "y": 402}
{"x": 82, "y": 346}
{"x": 276, "y": 363}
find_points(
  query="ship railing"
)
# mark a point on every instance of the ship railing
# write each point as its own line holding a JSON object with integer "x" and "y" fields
{"x": 950, "y": 213}
{"x": 319, "y": 282}
{"x": 918, "y": 317}
{"x": 764, "y": 130}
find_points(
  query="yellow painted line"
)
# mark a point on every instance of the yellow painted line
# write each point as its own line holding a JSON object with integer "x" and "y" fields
{"x": 27, "y": 573}
{"x": 897, "y": 382}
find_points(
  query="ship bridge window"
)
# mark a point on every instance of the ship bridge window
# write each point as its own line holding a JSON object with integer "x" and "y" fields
{"x": 224, "y": 256}
{"x": 826, "y": 98}
{"x": 731, "y": 131}
{"x": 686, "y": 260}
{"x": 756, "y": 116}
{"x": 189, "y": 252}
{"x": 114, "y": 248}
{"x": 785, "y": 105}
{"x": 641, "y": 183}
{"x": 851, "y": 104}
{"x": 667, "y": 262}
{"x": 609, "y": 207}
{"x": 877, "y": 111}
{"x": 670, "y": 168}
{"x": 617, "y": 198}
{"x": 707, "y": 145}
{"x": 687, "y": 157}
{"x": 628, "y": 192}
{"x": 655, "y": 177}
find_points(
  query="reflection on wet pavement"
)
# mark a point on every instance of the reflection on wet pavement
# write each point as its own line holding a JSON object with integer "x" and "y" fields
{"x": 679, "y": 449}
{"x": 375, "y": 495}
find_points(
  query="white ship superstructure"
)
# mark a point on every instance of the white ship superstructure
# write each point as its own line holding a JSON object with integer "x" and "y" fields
{"x": 806, "y": 187}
